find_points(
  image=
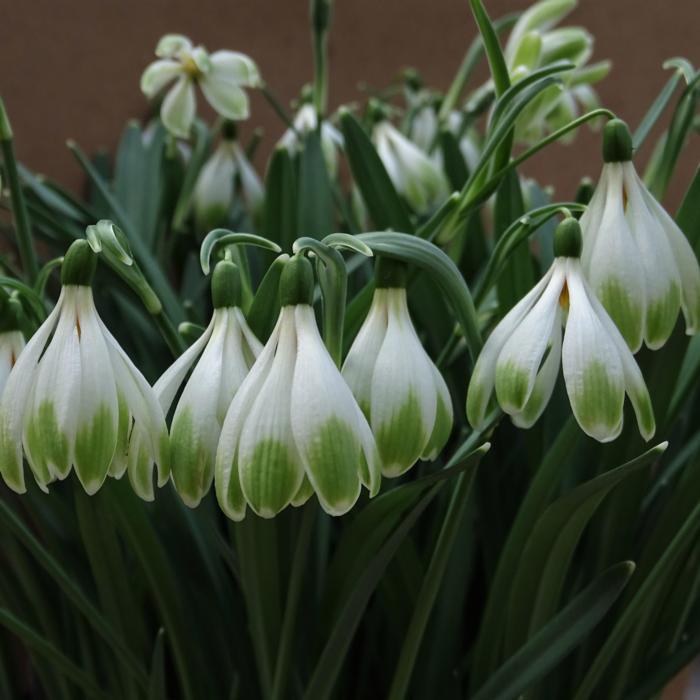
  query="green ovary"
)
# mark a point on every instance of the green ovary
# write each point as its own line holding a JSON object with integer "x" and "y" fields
{"x": 598, "y": 406}
{"x": 333, "y": 456}
{"x": 47, "y": 444}
{"x": 625, "y": 312}
{"x": 270, "y": 477}
{"x": 661, "y": 317}
{"x": 192, "y": 464}
{"x": 95, "y": 444}
{"x": 401, "y": 439}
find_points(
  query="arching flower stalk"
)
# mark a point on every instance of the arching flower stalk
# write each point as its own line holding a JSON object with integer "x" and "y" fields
{"x": 294, "y": 428}
{"x": 398, "y": 387}
{"x": 221, "y": 76}
{"x": 220, "y": 360}
{"x": 74, "y": 398}
{"x": 639, "y": 263}
{"x": 521, "y": 357}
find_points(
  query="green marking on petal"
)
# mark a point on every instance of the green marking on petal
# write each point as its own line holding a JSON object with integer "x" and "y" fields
{"x": 191, "y": 462}
{"x": 231, "y": 501}
{"x": 334, "y": 455}
{"x": 477, "y": 400}
{"x": 512, "y": 386}
{"x": 140, "y": 470}
{"x": 271, "y": 477}
{"x": 401, "y": 440}
{"x": 11, "y": 466}
{"x": 625, "y": 311}
{"x": 163, "y": 458}
{"x": 598, "y": 406}
{"x": 47, "y": 444}
{"x": 94, "y": 449}
{"x": 661, "y": 317}
{"x": 306, "y": 490}
{"x": 120, "y": 461}
{"x": 441, "y": 430}
{"x": 643, "y": 410}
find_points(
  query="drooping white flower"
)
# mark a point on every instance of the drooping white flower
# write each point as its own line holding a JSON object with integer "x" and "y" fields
{"x": 414, "y": 175}
{"x": 306, "y": 121}
{"x": 294, "y": 427}
{"x": 221, "y": 76}
{"x": 73, "y": 398}
{"x": 520, "y": 360}
{"x": 639, "y": 263}
{"x": 398, "y": 387}
{"x": 214, "y": 191}
{"x": 222, "y": 357}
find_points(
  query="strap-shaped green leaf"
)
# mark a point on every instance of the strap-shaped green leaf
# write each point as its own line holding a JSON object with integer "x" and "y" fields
{"x": 445, "y": 274}
{"x": 554, "y": 641}
{"x": 265, "y": 308}
{"x": 280, "y": 213}
{"x": 383, "y": 203}
{"x": 315, "y": 213}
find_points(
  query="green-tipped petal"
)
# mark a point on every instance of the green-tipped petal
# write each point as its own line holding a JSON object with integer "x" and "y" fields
{"x": 613, "y": 266}
{"x": 158, "y": 75}
{"x": 444, "y": 417}
{"x": 226, "y": 97}
{"x": 592, "y": 367}
{"x": 521, "y": 357}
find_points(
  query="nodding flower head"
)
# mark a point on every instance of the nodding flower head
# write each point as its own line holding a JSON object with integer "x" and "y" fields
{"x": 639, "y": 263}
{"x": 74, "y": 399}
{"x": 294, "y": 428}
{"x": 415, "y": 176}
{"x": 221, "y": 76}
{"x": 520, "y": 360}
{"x": 220, "y": 360}
{"x": 400, "y": 390}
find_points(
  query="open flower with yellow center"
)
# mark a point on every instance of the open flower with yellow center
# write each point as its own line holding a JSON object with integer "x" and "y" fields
{"x": 294, "y": 428}
{"x": 222, "y": 357}
{"x": 221, "y": 76}
{"x": 399, "y": 389}
{"x": 74, "y": 398}
{"x": 639, "y": 263}
{"x": 520, "y": 360}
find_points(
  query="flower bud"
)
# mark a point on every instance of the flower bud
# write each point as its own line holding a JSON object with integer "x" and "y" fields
{"x": 617, "y": 142}
{"x": 567, "y": 239}
{"x": 79, "y": 264}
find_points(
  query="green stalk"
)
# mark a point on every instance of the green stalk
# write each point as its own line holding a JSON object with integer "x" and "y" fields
{"x": 430, "y": 587}
{"x": 287, "y": 637}
{"x": 320, "y": 21}
{"x": 25, "y": 243}
{"x": 173, "y": 339}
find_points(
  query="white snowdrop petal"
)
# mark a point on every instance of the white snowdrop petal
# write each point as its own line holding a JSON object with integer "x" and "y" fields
{"x": 481, "y": 384}
{"x": 358, "y": 367}
{"x": 178, "y": 108}
{"x": 235, "y": 67}
{"x": 97, "y": 410}
{"x": 11, "y": 345}
{"x": 158, "y": 75}
{"x": 225, "y": 96}
{"x": 324, "y": 420}
{"x": 520, "y": 359}
{"x": 592, "y": 368}
{"x": 591, "y": 218}
{"x": 169, "y": 382}
{"x": 251, "y": 185}
{"x": 254, "y": 345}
{"x": 15, "y": 399}
{"x": 403, "y": 400}
{"x": 662, "y": 283}
{"x": 269, "y": 465}
{"x": 226, "y": 475}
{"x": 613, "y": 268}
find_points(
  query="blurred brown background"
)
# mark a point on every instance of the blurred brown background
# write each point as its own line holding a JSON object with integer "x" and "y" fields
{"x": 72, "y": 68}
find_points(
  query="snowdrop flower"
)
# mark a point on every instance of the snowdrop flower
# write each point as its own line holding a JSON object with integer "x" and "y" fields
{"x": 221, "y": 357}
{"x": 221, "y": 76}
{"x": 306, "y": 121}
{"x": 294, "y": 426}
{"x": 74, "y": 398}
{"x": 638, "y": 261}
{"x": 521, "y": 357}
{"x": 399, "y": 389}
{"x": 414, "y": 175}
{"x": 214, "y": 191}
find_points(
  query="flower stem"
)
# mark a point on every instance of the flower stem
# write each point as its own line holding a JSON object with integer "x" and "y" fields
{"x": 19, "y": 206}
{"x": 173, "y": 339}
{"x": 320, "y": 21}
